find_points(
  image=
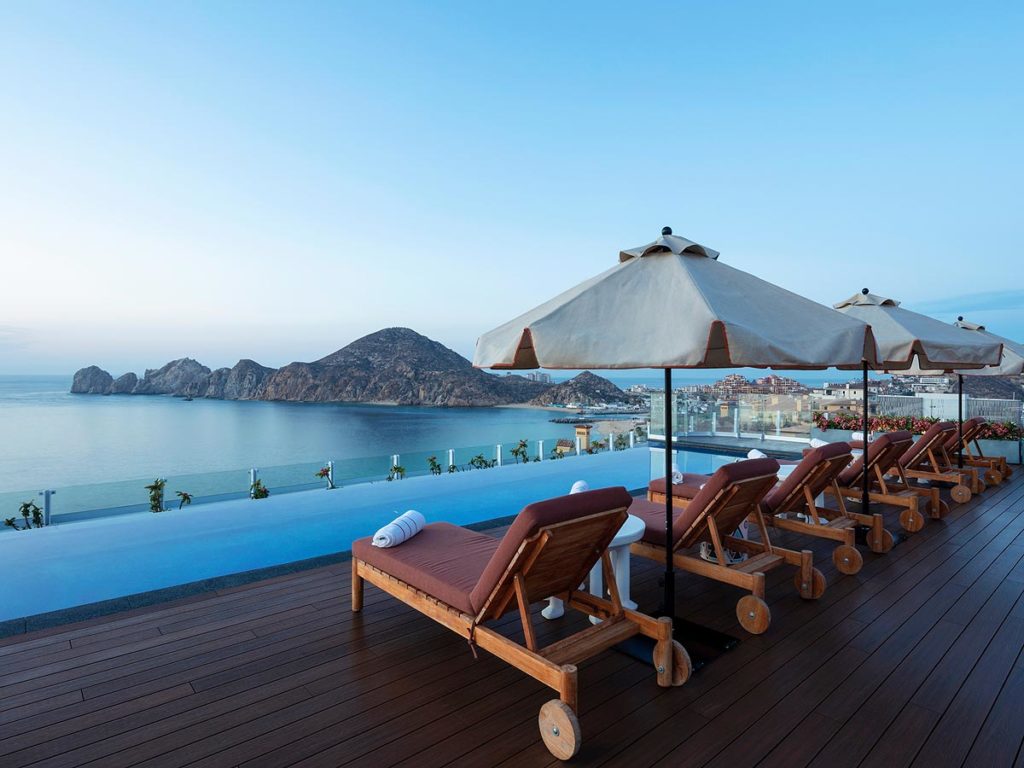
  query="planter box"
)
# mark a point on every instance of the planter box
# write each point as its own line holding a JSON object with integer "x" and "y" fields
{"x": 1009, "y": 449}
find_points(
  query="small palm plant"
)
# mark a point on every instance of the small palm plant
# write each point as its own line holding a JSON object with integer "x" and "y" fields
{"x": 520, "y": 452}
{"x": 434, "y": 464}
{"x": 397, "y": 472}
{"x": 621, "y": 442}
{"x": 452, "y": 469}
{"x": 325, "y": 473}
{"x": 184, "y": 499}
{"x": 156, "y": 495}
{"x": 258, "y": 490}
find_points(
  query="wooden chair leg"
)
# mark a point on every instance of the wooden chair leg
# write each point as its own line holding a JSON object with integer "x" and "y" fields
{"x": 357, "y": 587}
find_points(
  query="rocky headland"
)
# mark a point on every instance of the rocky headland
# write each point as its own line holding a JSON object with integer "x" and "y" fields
{"x": 395, "y": 366}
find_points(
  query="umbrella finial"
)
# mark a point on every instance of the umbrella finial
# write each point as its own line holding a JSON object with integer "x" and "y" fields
{"x": 864, "y": 291}
{"x": 666, "y": 231}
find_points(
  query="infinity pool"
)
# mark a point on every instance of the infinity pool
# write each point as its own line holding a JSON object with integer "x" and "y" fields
{"x": 74, "y": 564}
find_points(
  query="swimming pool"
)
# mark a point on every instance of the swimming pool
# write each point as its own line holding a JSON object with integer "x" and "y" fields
{"x": 74, "y": 564}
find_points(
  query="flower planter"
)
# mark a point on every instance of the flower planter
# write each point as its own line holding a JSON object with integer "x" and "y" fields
{"x": 1008, "y": 449}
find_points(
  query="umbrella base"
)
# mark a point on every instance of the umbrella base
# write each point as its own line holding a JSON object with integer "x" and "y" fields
{"x": 861, "y": 533}
{"x": 703, "y": 644}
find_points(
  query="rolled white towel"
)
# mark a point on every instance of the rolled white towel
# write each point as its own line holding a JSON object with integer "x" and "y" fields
{"x": 860, "y": 436}
{"x": 677, "y": 477}
{"x": 402, "y": 528}
{"x": 816, "y": 443}
{"x": 753, "y": 453}
{"x": 579, "y": 487}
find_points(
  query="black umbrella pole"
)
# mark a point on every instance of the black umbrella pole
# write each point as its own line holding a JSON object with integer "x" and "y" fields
{"x": 960, "y": 420}
{"x": 864, "y": 501}
{"x": 670, "y": 581}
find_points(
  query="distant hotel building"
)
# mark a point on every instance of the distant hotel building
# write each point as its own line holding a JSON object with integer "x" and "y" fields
{"x": 541, "y": 378}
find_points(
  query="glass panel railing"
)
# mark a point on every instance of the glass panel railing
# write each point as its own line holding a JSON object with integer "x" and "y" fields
{"x": 76, "y": 502}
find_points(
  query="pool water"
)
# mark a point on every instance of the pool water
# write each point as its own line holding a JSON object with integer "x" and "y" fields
{"x": 83, "y": 562}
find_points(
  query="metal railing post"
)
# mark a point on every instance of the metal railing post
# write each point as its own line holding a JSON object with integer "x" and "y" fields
{"x": 497, "y": 453}
{"x": 254, "y": 475}
{"x": 451, "y": 457}
{"x": 540, "y": 450}
{"x": 46, "y": 505}
{"x": 330, "y": 474}
{"x": 578, "y": 444}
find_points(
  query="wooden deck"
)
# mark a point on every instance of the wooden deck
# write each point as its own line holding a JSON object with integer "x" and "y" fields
{"x": 915, "y": 661}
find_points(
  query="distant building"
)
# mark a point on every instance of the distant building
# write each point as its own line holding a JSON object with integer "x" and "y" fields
{"x": 540, "y": 378}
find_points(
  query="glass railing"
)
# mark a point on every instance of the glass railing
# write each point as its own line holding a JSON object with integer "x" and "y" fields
{"x": 88, "y": 501}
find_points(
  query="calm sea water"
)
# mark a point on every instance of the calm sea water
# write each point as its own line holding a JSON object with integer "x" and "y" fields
{"x": 50, "y": 438}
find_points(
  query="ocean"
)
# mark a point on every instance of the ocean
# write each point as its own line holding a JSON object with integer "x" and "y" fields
{"x": 52, "y": 439}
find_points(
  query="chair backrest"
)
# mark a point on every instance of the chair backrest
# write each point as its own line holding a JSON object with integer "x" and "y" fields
{"x": 732, "y": 493}
{"x": 932, "y": 440}
{"x": 552, "y": 545}
{"x": 883, "y": 453}
{"x": 815, "y": 473}
{"x": 971, "y": 429}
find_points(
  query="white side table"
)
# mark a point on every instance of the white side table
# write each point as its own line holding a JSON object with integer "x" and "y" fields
{"x": 632, "y": 530}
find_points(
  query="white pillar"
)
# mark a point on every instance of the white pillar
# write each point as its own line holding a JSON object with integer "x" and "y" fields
{"x": 611, "y": 441}
{"x": 46, "y": 505}
{"x": 330, "y": 473}
{"x": 578, "y": 444}
{"x": 254, "y": 475}
{"x": 632, "y": 439}
{"x": 540, "y": 450}
{"x": 497, "y": 453}
{"x": 778, "y": 422}
{"x": 451, "y": 457}
{"x": 394, "y": 459}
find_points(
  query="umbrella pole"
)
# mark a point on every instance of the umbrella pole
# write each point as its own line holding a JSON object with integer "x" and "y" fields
{"x": 670, "y": 580}
{"x": 960, "y": 420}
{"x": 864, "y": 500}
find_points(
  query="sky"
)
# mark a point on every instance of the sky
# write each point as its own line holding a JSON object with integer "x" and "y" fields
{"x": 274, "y": 180}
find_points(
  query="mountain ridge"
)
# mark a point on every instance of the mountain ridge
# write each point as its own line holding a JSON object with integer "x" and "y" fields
{"x": 393, "y": 365}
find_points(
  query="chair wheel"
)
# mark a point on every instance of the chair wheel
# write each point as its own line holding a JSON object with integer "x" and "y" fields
{"x": 848, "y": 560}
{"x": 682, "y": 667}
{"x": 911, "y": 520}
{"x": 753, "y": 614}
{"x": 811, "y": 591}
{"x": 887, "y": 543}
{"x": 560, "y": 729}
{"x": 993, "y": 476}
{"x": 960, "y": 494}
{"x": 943, "y": 509}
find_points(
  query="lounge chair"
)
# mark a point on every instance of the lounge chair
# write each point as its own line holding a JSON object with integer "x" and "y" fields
{"x": 797, "y": 494}
{"x": 729, "y": 496}
{"x": 881, "y": 459}
{"x": 928, "y": 460}
{"x": 994, "y": 468}
{"x": 463, "y": 579}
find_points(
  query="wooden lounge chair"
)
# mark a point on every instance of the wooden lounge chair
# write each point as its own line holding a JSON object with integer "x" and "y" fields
{"x": 463, "y": 579}
{"x": 994, "y": 468}
{"x": 797, "y": 494}
{"x": 729, "y": 496}
{"x": 880, "y": 459}
{"x": 928, "y": 460}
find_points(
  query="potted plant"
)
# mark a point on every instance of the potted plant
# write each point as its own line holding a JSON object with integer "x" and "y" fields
{"x": 258, "y": 490}
{"x": 434, "y": 464}
{"x": 156, "y": 495}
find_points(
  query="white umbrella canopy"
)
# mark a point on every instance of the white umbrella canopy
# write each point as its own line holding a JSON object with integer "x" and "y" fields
{"x": 1012, "y": 361}
{"x": 672, "y": 304}
{"x": 908, "y": 340}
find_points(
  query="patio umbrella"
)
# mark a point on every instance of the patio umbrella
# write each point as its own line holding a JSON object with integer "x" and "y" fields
{"x": 908, "y": 340}
{"x": 672, "y": 304}
{"x": 1010, "y": 364}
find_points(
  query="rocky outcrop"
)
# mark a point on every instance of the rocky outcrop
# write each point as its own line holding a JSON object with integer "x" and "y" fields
{"x": 125, "y": 384}
{"x": 179, "y": 377}
{"x": 241, "y": 382}
{"x": 584, "y": 389}
{"x": 91, "y": 381}
{"x": 395, "y": 365}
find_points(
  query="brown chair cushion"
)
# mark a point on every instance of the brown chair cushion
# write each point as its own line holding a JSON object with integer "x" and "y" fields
{"x": 875, "y": 448}
{"x": 443, "y": 560}
{"x": 692, "y": 481}
{"x": 782, "y": 492}
{"x": 532, "y": 519}
{"x": 936, "y": 435}
{"x": 684, "y": 519}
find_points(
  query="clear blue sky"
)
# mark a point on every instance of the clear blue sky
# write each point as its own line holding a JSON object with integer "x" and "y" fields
{"x": 273, "y": 180}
